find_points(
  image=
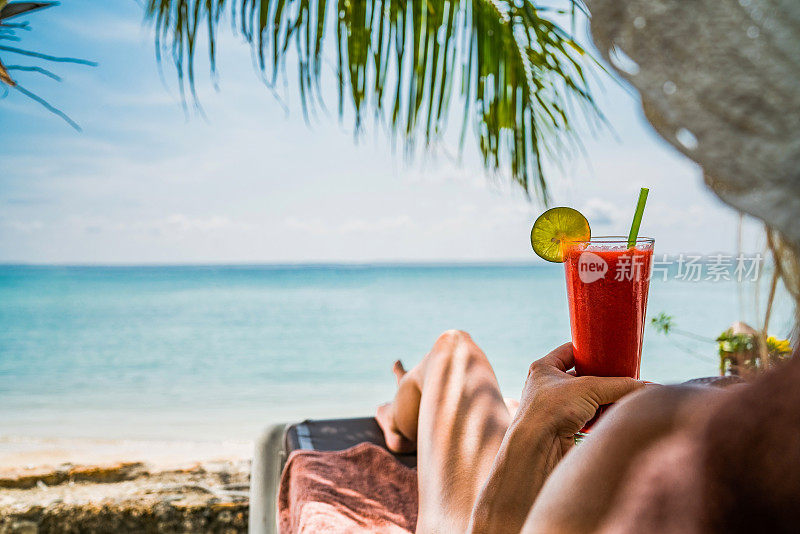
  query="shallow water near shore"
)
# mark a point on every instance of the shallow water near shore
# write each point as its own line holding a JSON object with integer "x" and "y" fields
{"x": 219, "y": 352}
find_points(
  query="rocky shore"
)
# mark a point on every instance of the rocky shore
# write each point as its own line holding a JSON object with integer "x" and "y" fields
{"x": 210, "y": 495}
{"x": 126, "y": 497}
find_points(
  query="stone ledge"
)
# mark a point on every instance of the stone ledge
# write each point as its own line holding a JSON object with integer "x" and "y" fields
{"x": 30, "y": 478}
{"x": 127, "y": 497}
{"x": 163, "y": 517}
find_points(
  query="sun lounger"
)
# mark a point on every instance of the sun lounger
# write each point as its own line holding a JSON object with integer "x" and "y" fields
{"x": 278, "y": 441}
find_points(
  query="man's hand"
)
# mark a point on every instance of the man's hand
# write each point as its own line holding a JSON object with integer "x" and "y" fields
{"x": 554, "y": 398}
{"x": 554, "y": 406}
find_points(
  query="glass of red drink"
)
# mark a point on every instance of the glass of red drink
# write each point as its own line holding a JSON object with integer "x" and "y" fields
{"x": 607, "y": 286}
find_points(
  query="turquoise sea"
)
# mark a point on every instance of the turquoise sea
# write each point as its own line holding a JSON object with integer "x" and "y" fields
{"x": 217, "y": 352}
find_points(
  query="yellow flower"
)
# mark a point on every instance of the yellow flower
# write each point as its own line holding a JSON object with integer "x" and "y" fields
{"x": 778, "y": 346}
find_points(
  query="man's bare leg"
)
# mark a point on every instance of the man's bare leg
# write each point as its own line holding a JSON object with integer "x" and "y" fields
{"x": 409, "y": 400}
{"x": 450, "y": 406}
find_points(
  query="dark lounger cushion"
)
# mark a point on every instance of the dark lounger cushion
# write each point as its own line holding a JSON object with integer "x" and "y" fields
{"x": 338, "y": 435}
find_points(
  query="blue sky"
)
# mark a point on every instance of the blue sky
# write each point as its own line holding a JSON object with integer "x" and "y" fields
{"x": 253, "y": 182}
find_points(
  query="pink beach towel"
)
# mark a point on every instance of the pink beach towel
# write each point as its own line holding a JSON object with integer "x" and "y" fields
{"x": 358, "y": 490}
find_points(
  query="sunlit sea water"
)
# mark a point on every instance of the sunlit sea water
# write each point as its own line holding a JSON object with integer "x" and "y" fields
{"x": 202, "y": 352}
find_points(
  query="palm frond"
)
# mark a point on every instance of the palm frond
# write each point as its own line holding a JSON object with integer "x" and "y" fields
{"x": 20, "y": 8}
{"x": 5, "y": 77}
{"x": 7, "y": 32}
{"x": 521, "y": 76}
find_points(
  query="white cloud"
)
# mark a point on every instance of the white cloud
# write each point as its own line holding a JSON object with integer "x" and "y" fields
{"x": 23, "y": 226}
{"x": 108, "y": 29}
{"x": 184, "y": 223}
{"x": 350, "y": 226}
{"x": 600, "y": 212}
{"x": 175, "y": 225}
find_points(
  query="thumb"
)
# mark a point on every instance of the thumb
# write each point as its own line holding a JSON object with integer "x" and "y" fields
{"x": 608, "y": 389}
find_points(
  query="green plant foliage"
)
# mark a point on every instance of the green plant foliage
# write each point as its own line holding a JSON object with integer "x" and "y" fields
{"x": 735, "y": 347}
{"x": 744, "y": 352}
{"x": 520, "y": 75}
{"x": 662, "y": 323}
{"x": 730, "y": 342}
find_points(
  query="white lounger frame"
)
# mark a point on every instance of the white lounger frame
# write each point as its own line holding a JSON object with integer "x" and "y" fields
{"x": 269, "y": 458}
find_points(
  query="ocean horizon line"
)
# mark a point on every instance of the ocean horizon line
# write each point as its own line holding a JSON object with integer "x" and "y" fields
{"x": 322, "y": 264}
{"x": 284, "y": 265}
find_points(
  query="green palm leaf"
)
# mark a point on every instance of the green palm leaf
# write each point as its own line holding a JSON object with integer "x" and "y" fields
{"x": 520, "y": 75}
{"x": 12, "y": 10}
{"x": 9, "y": 10}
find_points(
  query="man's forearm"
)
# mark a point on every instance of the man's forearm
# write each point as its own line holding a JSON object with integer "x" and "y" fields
{"x": 528, "y": 454}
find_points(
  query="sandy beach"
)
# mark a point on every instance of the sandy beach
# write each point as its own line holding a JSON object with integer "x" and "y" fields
{"x": 20, "y": 455}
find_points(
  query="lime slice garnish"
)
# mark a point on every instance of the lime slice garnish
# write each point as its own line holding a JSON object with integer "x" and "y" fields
{"x": 553, "y": 228}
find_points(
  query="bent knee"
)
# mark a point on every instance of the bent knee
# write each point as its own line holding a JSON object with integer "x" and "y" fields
{"x": 457, "y": 345}
{"x": 449, "y": 340}
{"x": 454, "y": 336}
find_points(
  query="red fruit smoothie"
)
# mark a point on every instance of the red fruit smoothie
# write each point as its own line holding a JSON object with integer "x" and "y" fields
{"x": 607, "y": 287}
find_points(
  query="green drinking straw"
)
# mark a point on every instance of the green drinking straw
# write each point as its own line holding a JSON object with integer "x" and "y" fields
{"x": 637, "y": 217}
